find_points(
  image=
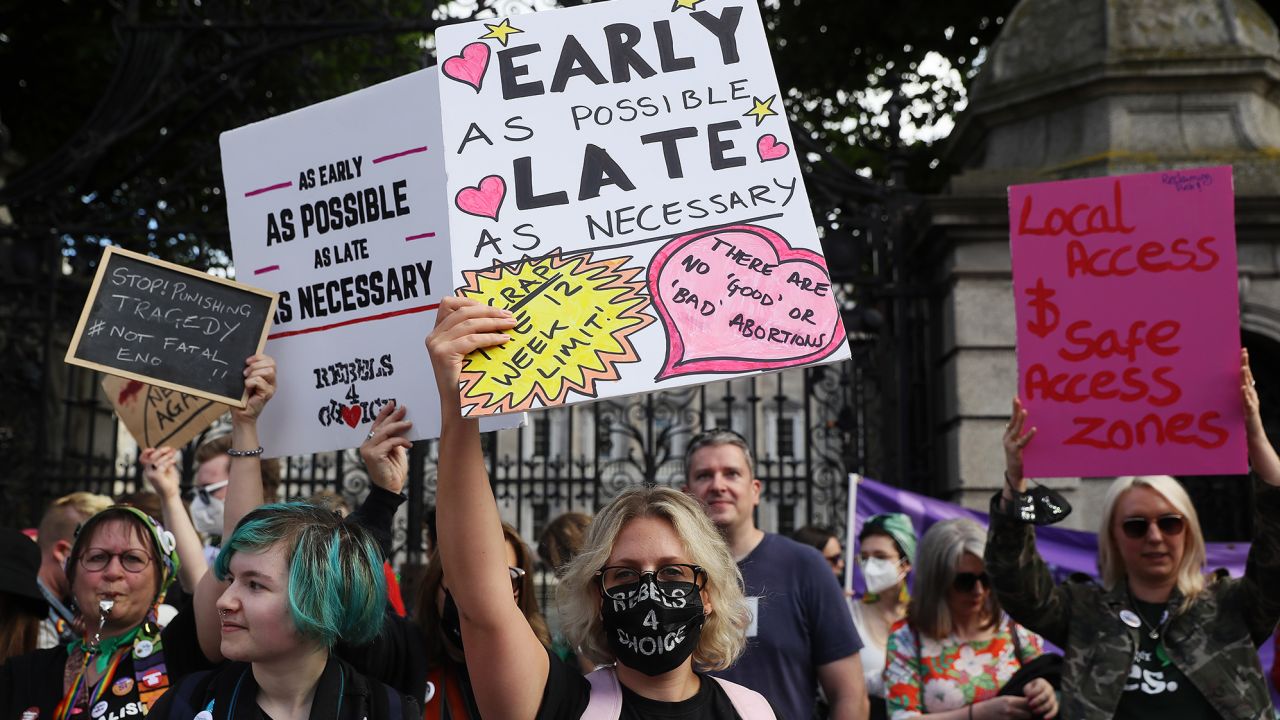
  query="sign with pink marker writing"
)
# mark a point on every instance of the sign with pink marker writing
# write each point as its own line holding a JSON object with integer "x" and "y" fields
{"x": 340, "y": 208}
{"x": 1128, "y": 324}
{"x": 622, "y": 177}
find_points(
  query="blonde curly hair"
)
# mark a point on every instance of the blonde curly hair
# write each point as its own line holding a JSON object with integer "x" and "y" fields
{"x": 724, "y": 632}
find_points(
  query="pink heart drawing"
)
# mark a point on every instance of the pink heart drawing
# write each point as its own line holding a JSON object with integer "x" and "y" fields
{"x": 740, "y": 298}
{"x": 769, "y": 148}
{"x": 483, "y": 200}
{"x": 469, "y": 67}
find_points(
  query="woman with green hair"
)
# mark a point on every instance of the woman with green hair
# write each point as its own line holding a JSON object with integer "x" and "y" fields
{"x": 299, "y": 579}
{"x": 291, "y": 581}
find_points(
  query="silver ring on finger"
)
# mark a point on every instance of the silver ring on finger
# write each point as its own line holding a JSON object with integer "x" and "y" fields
{"x": 370, "y": 435}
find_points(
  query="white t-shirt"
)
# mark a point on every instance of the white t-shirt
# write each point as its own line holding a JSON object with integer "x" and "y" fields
{"x": 872, "y": 655}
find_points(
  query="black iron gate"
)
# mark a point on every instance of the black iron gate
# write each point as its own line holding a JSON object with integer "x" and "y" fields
{"x": 803, "y": 425}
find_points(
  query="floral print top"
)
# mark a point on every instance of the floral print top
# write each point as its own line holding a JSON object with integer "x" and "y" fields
{"x": 950, "y": 673}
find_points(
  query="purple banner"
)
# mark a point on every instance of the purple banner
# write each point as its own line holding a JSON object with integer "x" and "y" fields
{"x": 1066, "y": 551}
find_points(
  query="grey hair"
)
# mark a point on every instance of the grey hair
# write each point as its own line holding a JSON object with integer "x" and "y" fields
{"x": 937, "y": 558}
{"x": 718, "y": 436}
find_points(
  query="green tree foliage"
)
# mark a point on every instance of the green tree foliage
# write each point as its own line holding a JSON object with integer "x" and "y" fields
{"x": 113, "y": 110}
{"x": 841, "y": 60}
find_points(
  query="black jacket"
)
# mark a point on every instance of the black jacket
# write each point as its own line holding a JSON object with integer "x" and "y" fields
{"x": 230, "y": 693}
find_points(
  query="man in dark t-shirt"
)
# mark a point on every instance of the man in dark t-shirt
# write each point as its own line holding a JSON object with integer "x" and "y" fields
{"x": 801, "y": 635}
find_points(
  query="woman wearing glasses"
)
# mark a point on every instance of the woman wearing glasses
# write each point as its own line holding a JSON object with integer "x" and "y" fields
{"x": 1158, "y": 636}
{"x": 654, "y": 589}
{"x": 956, "y": 649}
{"x": 119, "y": 568}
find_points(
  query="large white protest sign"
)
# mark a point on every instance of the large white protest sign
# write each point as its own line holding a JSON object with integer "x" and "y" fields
{"x": 341, "y": 209}
{"x": 622, "y": 177}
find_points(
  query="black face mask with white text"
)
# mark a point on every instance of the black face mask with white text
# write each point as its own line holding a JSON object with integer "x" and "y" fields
{"x": 652, "y": 631}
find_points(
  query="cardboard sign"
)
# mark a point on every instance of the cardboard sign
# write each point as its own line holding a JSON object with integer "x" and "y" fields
{"x": 622, "y": 177}
{"x": 340, "y": 207}
{"x": 157, "y": 416}
{"x": 1128, "y": 324}
{"x": 167, "y": 325}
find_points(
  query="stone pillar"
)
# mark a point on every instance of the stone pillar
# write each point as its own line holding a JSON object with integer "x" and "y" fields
{"x": 1082, "y": 88}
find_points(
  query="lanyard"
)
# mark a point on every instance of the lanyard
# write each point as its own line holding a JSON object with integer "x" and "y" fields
{"x": 68, "y": 704}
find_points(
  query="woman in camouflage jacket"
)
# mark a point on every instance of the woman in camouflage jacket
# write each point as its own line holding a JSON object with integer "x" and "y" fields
{"x": 1158, "y": 637}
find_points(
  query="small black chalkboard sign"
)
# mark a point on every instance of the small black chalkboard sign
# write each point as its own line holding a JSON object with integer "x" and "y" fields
{"x": 170, "y": 326}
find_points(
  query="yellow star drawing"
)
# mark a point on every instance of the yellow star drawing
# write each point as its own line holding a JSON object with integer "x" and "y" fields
{"x": 687, "y": 4}
{"x": 761, "y": 109}
{"x": 500, "y": 31}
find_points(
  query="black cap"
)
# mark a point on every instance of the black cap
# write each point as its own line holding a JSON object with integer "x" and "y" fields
{"x": 19, "y": 565}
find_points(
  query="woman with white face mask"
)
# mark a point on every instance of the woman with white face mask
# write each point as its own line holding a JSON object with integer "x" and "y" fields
{"x": 886, "y": 548}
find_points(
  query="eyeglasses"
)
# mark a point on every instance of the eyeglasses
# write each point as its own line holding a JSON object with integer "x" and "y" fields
{"x": 204, "y": 492}
{"x": 1136, "y": 527}
{"x": 97, "y": 559}
{"x": 966, "y": 581}
{"x": 836, "y": 560}
{"x": 617, "y": 581}
{"x": 517, "y": 576}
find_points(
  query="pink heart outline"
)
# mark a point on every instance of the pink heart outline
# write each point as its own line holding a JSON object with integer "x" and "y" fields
{"x": 768, "y": 148}
{"x": 675, "y": 363}
{"x": 483, "y": 199}
{"x": 469, "y": 66}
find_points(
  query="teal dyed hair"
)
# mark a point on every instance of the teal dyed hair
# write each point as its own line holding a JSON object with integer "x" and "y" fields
{"x": 336, "y": 587}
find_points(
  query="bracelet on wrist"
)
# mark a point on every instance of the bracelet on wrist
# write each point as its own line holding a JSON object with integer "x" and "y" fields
{"x": 244, "y": 453}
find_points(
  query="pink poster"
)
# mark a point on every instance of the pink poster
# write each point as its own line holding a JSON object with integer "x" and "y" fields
{"x": 1128, "y": 324}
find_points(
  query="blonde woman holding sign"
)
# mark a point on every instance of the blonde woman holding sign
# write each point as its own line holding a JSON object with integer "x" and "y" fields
{"x": 1158, "y": 636}
{"x": 654, "y": 590}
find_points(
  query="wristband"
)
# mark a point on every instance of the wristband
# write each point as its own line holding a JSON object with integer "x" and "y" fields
{"x": 1038, "y": 506}
{"x": 244, "y": 453}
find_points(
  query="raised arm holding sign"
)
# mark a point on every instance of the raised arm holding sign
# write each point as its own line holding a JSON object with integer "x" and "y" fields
{"x": 340, "y": 208}
{"x": 167, "y": 325}
{"x": 1179, "y": 638}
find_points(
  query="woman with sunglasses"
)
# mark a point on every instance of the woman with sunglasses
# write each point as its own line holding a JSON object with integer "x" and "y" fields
{"x": 449, "y": 691}
{"x": 955, "y": 650}
{"x": 427, "y": 654}
{"x": 654, "y": 589}
{"x": 1158, "y": 636}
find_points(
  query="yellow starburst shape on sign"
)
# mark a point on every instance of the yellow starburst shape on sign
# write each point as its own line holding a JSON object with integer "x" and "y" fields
{"x": 574, "y": 319}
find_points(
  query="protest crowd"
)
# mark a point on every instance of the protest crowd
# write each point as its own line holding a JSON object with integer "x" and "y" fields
{"x": 669, "y": 604}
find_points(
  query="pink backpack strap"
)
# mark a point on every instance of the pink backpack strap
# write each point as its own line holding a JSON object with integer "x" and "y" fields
{"x": 606, "y": 695}
{"x": 749, "y": 704}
